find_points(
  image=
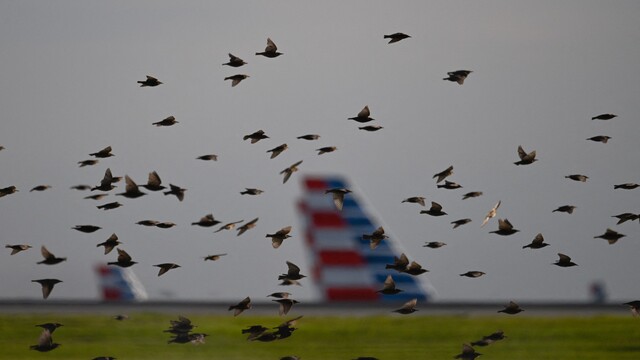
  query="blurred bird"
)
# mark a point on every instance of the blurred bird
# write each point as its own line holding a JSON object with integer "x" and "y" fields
{"x": 279, "y": 236}
{"x": 443, "y": 174}
{"x": 109, "y": 206}
{"x": 241, "y": 306}
{"x": 600, "y": 138}
{"x": 18, "y": 248}
{"x": 86, "y": 228}
{"x": 326, "y": 149}
{"x": 131, "y": 190}
{"x": 293, "y": 272}
{"x": 288, "y": 282}
{"x": 525, "y": 158}
{"x": 624, "y": 217}
{"x": 435, "y": 210}
{"x": 291, "y": 357}
{"x": 537, "y": 242}
{"x": 399, "y": 263}
{"x": 121, "y": 317}
{"x": 577, "y": 177}
{"x": 375, "y": 238}
{"x": 408, "y": 307}
{"x": 363, "y": 115}
{"x": 84, "y": 163}
{"x": 389, "y": 287}
{"x": 504, "y": 228}
{"x": 153, "y": 182}
{"x": 434, "y": 244}
{"x": 611, "y": 236}
{"x": 49, "y": 258}
{"x": 338, "y": 196}
{"x": 235, "y": 61}
{"x": 150, "y": 81}
{"x": 458, "y": 76}
{"x": 51, "y": 327}
{"x": 47, "y": 286}
{"x": 395, "y": 37}
{"x": 492, "y": 213}
{"x": 635, "y": 306}
{"x": 165, "y": 225}
{"x": 8, "y": 190}
{"x": 566, "y": 209}
{"x": 468, "y": 353}
{"x": 449, "y": 185}
{"x": 214, "y": 257}
{"x": 256, "y": 136}
{"x": 414, "y": 269}
{"x": 104, "y": 153}
{"x": 45, "y": 342}
{"x": 280, "y": 295}
{"x": 228, "y": 226}
{"x": 106, "y": 184}
{"x": 473, "y": 274}
{"x": 236, "y": 79}
{"x": 460, "y": 222}
{"x": 168, "y": 121}
{"x": 415, "y": 200}
{"x": 206, "y": 221}
{"x": 250, "y": 225}
{"x": 271, "y": 50}
{"x": 147, "y": 222}
{"x": 285, "y": 305}
{"x": 40, "y": 188}
{"x": 278, "y": 150}
{"x": 289, "y": 171}
{"x": 208, "y": 157}
{"x": 254, "y": 331}
{"x": 177, "y": 191}
{"x": 81, "y": 187}
{"x": 564, "y": 261}
{"x": 96, "y": 196}
{"x": 604, "y": 117}
{"x": 490, "y": 339}
{"x": 124, "y": 259}
{"x": 251, "y": 191}
{"x": 164, "y": 267}
{"x": 627, "y": 186}
{"x": 511, "y": 309}
{"x": 110, "y": 243}
{"x": 309, "y": 137}
{"x": 371, "y": 128}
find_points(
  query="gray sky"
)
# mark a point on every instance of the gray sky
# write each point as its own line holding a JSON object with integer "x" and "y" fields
{"x": 541, "y": 70}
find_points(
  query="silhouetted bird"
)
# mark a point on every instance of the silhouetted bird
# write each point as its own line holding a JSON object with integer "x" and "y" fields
{"x": 110, "y": 243}
{"x": 285, "y": 305}
{"x": 525, "y": 158}
{"x": 490, "y": 339}
{"x": 537, "y": 242}
{"x": 165, "y": 225}
{"x": 288, "y": 282}
{"x": 443, "y": 174}
{"x": 604, "y": 117}
{"x": 271, "y": 51}
{"x": 279, "y": 236}
{"x": 577, "y": 177}
{"x": 278, "y": 150}
{"x": 600, "y": 138}
{"x": 627, "y": 186}
{"x": 511, "y": 309}
{"x": 293, "y": 272}
{"x": 254, "y": 331}
{"x": 17, "y": 248}
{"x": 147, "y": 222}
{"x": 208, "y": 157}
{"x": 449, "y": 185}
{"x": 338, "y": 196}
{"x": 235, "y": 61}
{"x": 468, "y": 353}
{"x": 460, "y": 222}
{"x": 399, "y": 263}
{"x": 309, "y": 137}
{"x": 104, "y": 153}
{"x": 87, "y": 228}
{"x": 8, "y": 190}
{"x": 131, "y": 190}
{"x": 124, "y": 259}
{"x": 168, "y": 121}
{"x": 214, "y": 257}
{"x": 408, "y": 307}
{"x": 228, "y": 226}
{"x": 40, "y": 188}
{"x": 564, "y": 261}
{"x": 492, "y": 213}
{"x": 473, "y": 274}
{"x": 45, "y": 342}
{"x": 109, "y": 206}
{"x": 150, "y": 81}
{"x": 81, "y": 187}
{"x": 375, "y": 238}
{"x": 121, "y": 317}
{"x": 414, "y": 269}
{"x": 565, "y": 208}
{"x": 96, "y": 196}
{"x": 611, "y": 236}
{"x": 435, "y": 210}
{"x": 236, "y": 79}
{"x": 241, "y": 306}
{"x": 250, "y": 225}
{"x": 434, "y": 244}
{"x": 154, "y": 183}
{"x": 505, "y": 228}
{"x": 458, "y": 76}
{"x": 106, "y": 184}
{"x": 389, "y": 287}
{"x": 371, "y": 128}
{"x": 280, "y": 295}
{"x": 289, "y": 171}
{"x": 326, "y": 149}
{"x": 635, "y": 306}
{"x": 624, "y": 217}
{"x": 49, "y": 258}
{"x": 177, "y": 191}
{"x": 415, "y": 200}
{"x": 51, "y": 327}
{"x": 395, "y": 37}
{"x": 47, "y": 286}
{"x": 256, "y": 136}
{"x": 251, "y": 191}
{"x": 363, "y": 115}
{"x": 206, "y": 221}
{"x": 84, "y": 163}
{"x": 164, "y": 267}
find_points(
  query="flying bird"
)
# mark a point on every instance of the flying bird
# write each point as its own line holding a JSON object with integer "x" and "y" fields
{"x": 90, "y": 162}
{"x": 236, "y": 79}
{"x": 525, "y": 158}
{"x": 50, "y": 326}
{"x": 40, "y": 188}
{"x": 131, "y": 189}
{"x": 460, "y": 222}
{"x": 49, "y": 258}
{"x": 408, "y": 307}
{"x": 47, "y": 286}
{"x": 458, "y": 76}
{"x": 566, "y": 209}
{"x": 8, "y": 190}
{"x": 309, "y": 137}
{"x": 110, "y": 243}
{"x": 228, "y": 226}
{"x": 106, "y": 184}
{"x": 250, "y": 225}
{"x": 326, "y": 149}
{"x": 634, "y": 306}
{"x": 399, "y": 263}
{"x": 165, "y": 225}
{"x": 235, "y": 61}
{"x": 149, "y": 81}
{"x": 278, "y": 150}
{"x": 490, "y": 339}
{"x": 435, "y": 210}
{"x": 280, "y": 295}
{"x": 271, "y": 51}
{"x": 148, "y": 222}
{"x": 505, "y": 228}
{"x": 375, "y": 238}
{"x": 18, "y": 248}
{"x": 293, "y": 272}
{"x": 109, "y": 206}
{"x": 279, "y": 236}
{"x": 251, "y": 191}
{"x": 449, "y": 185}
{"x": 626, "y": 186}
{"x": 104, "y": 153}
{"x": 536, "y": 243}
{"x": 611, "y": 236}
{"x": 45, "y": 342}
{"x": 168, "y": 121}
{"x": 473, "y": 274}
{"x": 414, "y": 269}
{"x": 564, "y": 261}
{"x": 363, "y": 115}
{"x": 395, "y": 37}
{"x": 124, "y": 259}
{"x": 214, "y": 257}
{"x": 96, "y": 196}
{"x": 604, "y": 117}
{"x": 511, "y": 309}
{"x": 241, "y": 306}
{"x": 208, "y": 157}
{"x": 600, "y": 138}
{"x": 624, "y": 217}
{"x": 443, "y": 174}
{"x": 256, "y": 136}
{"x": 206, "y": 221}
{"x": 177, "y": 191}
{"x": 285, "y": 305}
{"x": 164, "y": 267}
{"x": 434, "y": 244}
{"x": 577, "y": 177}
{"x": 154, "y": 183}
{"x": 468, "y": 353}
{"x": 338, "y": 196}
{"x": 289, "y": 171}
{"x": 491, "y": 214}
{"x": 389, "y": 287}
{"x": 86, "y": 228}
{"x": 415, "y": 200}
{"x": 371, "y": 128}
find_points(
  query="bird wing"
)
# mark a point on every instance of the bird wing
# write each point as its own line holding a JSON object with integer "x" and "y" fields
{"x": 389, "y": 284}
{"x": 293, "y": 269}
{"x": 435, "y": 206}
{"x": 123, "y": 256}
{"x": 271, "y": 46}
{"x": 45, "y": 253}
{"x": 131, "y": 185}
{"x": 504, "y": 224}
{"x": 338, "y": 200}
{"x": 154, "y": 179}
{"x": 564, "y": 258}
{"x": 539, "y": 239}
{"x": 364, "y": 113}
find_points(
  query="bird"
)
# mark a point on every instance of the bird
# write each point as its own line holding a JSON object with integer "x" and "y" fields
{"x": 168, "y": 121}
{"x": 289, "y": 171}
{"x": 443, "y": 174}
{"x": 51, "y": 327}
{"x": 214, "y": 257}
{"x": 460, "y": 222}
{"x": 415, "y": 200}
{"x": 511, "y": 309}
{"x": 435, "y": 210}
{"x": 408, "y": 307}
{"x": 8, "y": 190}
{"x": 206, "y": 221}
{"x": 537, "y": 242}
{"x": 604, "y": 117}
{"x": 414, "y": 269}
{"x": 271, "y": 51}
{"x": 611, "y": 236}
{"x": 236, "y": 79}
{"x": 280, "y": 295}
{"x": 124, "y": 259}
{"x": 525, "y": 158}
{"x": 256, "y": 136}
{"x": 243, "y": 305}
{"x": 338, "y": 196}
{"x": 363, "y": 115}
{"x": 147, "y": 222}
{"x": 81, "y": 187}
{"x": 624, "y": 217}
{"x": 626, "y": 186}
{"x": 18, "y": 248}
{"x": 40, "y": 188}
{"x": 110, "y": 243}
{"x": 254, "y": 331}
{"x": 505, "y": 228}
{"x": 395, "y": 37}
{"x": 121, "y": 317}
{"x": 473, "y": 274}
{"x": 177, "y": 191}
{"x": 399, "y": 263}
{"x": 106, "y": 184}
{"x": 326, "y": 149}
{"x": 277, "y": 150}
{"x": 104, "y": 153}
{"x": 285, "y": 305}
{"x": 492, "y": 213}
{"x": 371, "y": 128}
{"x": 250, "y": 225}
{"x": 600, "y": 138}
{"x": 309, "y": 137}
{"x": 434, "y": 244}
{"x": 208, "y": 157}
{"x": 279, "y": 236}
{"x": 468, "y": 353}
{"x": 564, "y": 261}
{"x": 251, "y": 191}
{"x": 566, "y": 209}
{"x": 389, "y": 287}
{"x": 96, "y": 196}
{"x": 87, "y": 228}
{"x": 154, "y": 183}
{"x": 577, "y": 177}
{"x": 293, "y": 272}
{"x": 449, "y": 185}
{"x": 228, "y": 226}
{"x": 149, "y": 81}
{"x": 47, "y": 286}
{"x": 165, "y": 225}
{"x": 164, "y": 267}
{"x": 490, "y": 339}
{"x": 45, "y": 342}
{"x": 131, "y": 189}
{"x": 49, "y": 258}
{"x": 458, "y": 76}
{"x": 634, "y": 306}
{"x": 235, "y": 61}
{"x": 89, "y": 162}
{"x": 375, "y": 238}
{"x": 109, "y": 206}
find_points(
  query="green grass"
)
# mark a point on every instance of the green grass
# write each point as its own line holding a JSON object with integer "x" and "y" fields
{"x": 384, "y": 337}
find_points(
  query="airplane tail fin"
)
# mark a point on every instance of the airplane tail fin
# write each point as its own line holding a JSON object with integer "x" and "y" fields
{"x": 118, "y": 284}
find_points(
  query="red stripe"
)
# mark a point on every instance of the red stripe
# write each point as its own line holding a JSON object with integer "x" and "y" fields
{"x": 340, "y": 257}
{"x": 327, "y": 219}
{"x": 352, "y": 294}
{"x": 315, "y": 184}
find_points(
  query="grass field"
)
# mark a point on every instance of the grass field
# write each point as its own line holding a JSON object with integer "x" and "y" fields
{"x": 383, "y": 337}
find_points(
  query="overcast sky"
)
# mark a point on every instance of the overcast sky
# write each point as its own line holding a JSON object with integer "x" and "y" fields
{"x": 541, "y": 70}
